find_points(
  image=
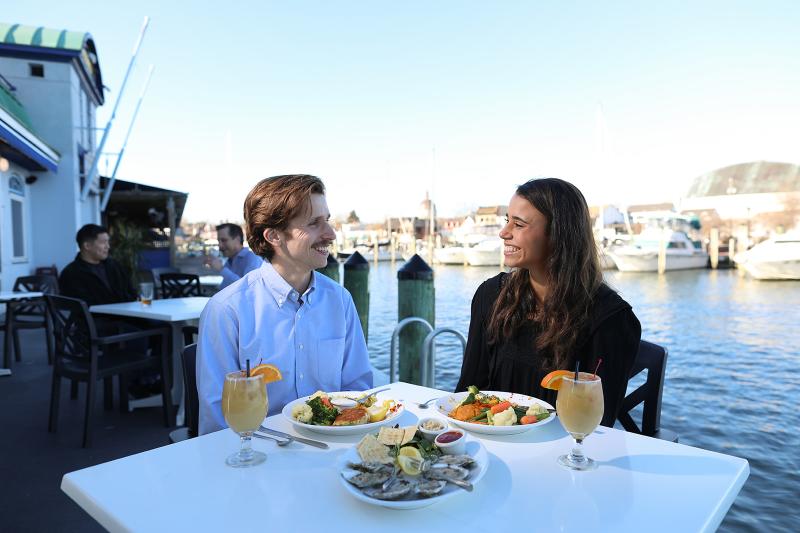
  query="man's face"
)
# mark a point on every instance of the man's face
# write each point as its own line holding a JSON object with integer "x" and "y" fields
{"x": 228, "y": 246}
{"x": 97, "y": 250}
{"x": 305, "y": 242}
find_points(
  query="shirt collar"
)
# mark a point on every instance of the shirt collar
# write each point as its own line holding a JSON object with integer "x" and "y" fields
{"x": 280, "y": 288}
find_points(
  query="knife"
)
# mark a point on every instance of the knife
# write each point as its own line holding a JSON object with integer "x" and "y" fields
{"x": 298, "y": 439}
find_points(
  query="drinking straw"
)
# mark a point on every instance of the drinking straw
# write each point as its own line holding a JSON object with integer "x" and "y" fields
{"x": 577, "y": 368}
{"x": 248, "y": 368}
{"x": 599, "y": 361}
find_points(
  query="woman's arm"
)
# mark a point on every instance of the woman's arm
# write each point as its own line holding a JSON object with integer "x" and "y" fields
{"x": 616, "y": 341}
{"x": 475, "y": 367}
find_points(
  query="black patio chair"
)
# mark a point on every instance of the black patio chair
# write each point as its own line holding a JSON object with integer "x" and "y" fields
{"x": 178, "y": 285}
{"x": 30, "y": 314}
{"x": 191, "y": 402}
{"x": 81, "y": 355}
{"x": 653, "y": 358}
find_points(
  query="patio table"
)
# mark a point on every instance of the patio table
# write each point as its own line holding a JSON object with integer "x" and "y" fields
{"x": 175, "y": 311}
{"x": 641, "y": 484}
{"x": 7, "y": 297}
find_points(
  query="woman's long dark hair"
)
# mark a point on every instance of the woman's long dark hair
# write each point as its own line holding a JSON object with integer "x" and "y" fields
{"x": 573, "y": 274}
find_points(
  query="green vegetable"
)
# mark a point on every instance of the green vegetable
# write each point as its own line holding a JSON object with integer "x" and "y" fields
{"x": 484, "y": 414}
{"x": 520, "y": 411}
{"x": 322, "y": 414}
{"x": 473, "y": 390}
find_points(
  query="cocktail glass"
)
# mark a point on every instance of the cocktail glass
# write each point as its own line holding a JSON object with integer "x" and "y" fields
{"x": 579, "y": 405}
{"x": 244, "y": 405}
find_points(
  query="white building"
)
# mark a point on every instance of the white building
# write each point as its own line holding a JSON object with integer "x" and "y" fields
{"x": 50, "y": 87}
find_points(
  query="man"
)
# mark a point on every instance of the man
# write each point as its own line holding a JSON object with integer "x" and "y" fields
{"x": 94, "y": 277}
{"x": 283, "y": 313}
{"x": 240, "y": 259}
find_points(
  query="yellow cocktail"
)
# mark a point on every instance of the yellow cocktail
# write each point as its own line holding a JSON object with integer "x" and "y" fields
{"x": 579, "y": 405}
{"x": 244, "y": 406}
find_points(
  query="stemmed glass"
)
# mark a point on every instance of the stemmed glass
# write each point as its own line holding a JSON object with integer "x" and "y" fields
{"x": 579, "y": 405}
{"x": 244, "y": 405}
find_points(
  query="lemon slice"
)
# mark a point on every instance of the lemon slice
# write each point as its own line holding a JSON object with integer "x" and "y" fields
{"x": 410, "y": 460}
{"x": 379, "y": 412}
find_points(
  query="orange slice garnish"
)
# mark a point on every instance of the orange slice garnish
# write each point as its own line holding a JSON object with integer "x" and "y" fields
{"x": 552, "y": 380}
{"x": 270, "y": 373}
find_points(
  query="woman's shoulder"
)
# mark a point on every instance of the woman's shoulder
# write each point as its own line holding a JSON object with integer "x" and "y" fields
{"x": 490, "y": 289}
{"x": 606, "y": 303}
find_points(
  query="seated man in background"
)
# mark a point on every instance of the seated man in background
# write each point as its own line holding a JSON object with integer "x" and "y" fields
{"x": 284, "y": 313}
{"x": 93, "y": 276}
{"x": 240, "y": 259}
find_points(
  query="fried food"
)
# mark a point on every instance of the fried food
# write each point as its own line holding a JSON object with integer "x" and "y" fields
{"x": 465, "y": 412}
{"x": 352, "y": 417}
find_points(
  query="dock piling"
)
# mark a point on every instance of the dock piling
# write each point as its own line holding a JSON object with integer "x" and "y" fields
{"x": 415, "y": 298}
{"x": 356, "y": 280}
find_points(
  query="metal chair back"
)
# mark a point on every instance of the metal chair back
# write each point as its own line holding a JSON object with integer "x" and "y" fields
{"x": 653, "y": 358}
{"x": 178, "y": 285}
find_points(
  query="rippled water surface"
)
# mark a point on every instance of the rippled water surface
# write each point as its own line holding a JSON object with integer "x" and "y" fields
{"x": 732, "y": 378}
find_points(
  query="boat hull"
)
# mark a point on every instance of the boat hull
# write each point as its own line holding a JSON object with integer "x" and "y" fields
{"x": 450, "y": 256}
{"x": 773, "y": 270}
{"x": 648, "y": 262}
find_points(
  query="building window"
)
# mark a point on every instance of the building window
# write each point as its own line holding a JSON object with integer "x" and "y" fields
{"x": 37, "y": 70}
{"x": 16, "y": 198}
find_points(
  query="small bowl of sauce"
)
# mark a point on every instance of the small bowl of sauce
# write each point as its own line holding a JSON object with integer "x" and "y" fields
{"x": 451, "y": 442}
{"x": 431, "y": 427}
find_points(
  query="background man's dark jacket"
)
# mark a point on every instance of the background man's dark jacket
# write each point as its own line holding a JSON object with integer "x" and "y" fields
{"x": 79, "y": 281}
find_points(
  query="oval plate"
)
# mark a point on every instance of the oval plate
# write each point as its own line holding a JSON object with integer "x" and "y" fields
{"x": 447, "y": 403}
{"x": 474, "y": 448}
{"x": 342, "y": 430}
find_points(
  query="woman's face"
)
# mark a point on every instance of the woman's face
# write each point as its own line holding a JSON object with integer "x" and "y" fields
{"x": 525, "y": 236}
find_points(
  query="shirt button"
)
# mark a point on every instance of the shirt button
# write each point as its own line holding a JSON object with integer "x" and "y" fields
{"x": 301, "y": 376}
{"x": 301, "y": 346}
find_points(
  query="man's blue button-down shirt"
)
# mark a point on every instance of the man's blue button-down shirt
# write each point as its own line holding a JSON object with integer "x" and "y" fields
{"x": 239, "y": 265}
{"x": 315, "y": 340}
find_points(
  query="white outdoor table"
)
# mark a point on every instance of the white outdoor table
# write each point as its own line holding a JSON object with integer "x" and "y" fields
{"x": 5, "y": 297}
{"x": 175, "y": 311}
{"x": 642, "y": 484}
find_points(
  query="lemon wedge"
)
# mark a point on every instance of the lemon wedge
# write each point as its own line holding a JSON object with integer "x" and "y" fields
{"x": 410, "y": 460}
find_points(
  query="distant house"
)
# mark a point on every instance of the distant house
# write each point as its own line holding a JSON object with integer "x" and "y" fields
{"x": 50, "y": 88}
{"x": 491, "y": 216}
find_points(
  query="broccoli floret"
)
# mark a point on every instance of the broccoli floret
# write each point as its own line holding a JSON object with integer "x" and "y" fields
{"x": 473, "y": 389}
{"x": 323, "y": 414}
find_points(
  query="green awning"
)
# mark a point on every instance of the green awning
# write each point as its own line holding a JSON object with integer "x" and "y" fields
{"x": 13, "y": 107}
{"x": 42, "y": 37}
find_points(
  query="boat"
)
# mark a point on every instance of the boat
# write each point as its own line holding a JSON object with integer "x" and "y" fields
{"x": 642, "y": 254}
{"x": 485, "y": 253}
{"x": 450, "y": 255}
{"x": 774, "y": 259}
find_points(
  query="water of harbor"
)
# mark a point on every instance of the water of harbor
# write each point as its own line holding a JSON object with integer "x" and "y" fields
{"x": 731, "y": 373}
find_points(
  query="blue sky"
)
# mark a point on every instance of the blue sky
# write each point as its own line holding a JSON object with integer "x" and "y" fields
{"x": 387, "y": 100}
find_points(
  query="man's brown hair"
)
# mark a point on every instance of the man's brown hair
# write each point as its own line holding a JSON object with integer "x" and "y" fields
{"x": 273, "y": 203}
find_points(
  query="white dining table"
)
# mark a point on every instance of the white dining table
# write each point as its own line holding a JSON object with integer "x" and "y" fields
{"x": 174, "y": 311}
{"x": 6, "y": 297}
{"x": 641, "y": 484}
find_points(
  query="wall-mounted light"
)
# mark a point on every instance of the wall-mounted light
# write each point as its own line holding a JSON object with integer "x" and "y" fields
{"x": 4, "y": 164}
{"x": 30, "y": 180}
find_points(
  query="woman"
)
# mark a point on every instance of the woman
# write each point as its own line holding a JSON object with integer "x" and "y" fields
{"x": 553, "y": 309}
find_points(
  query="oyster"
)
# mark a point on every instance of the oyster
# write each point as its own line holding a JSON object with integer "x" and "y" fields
{"x": 367, "y": 479}
{"x": 429, "y": 487}
{"x": 369, "y": 466}
{"x": 463, "y": 460}
{"x": 399, "y": 488}
{"x": 447, "y": 472}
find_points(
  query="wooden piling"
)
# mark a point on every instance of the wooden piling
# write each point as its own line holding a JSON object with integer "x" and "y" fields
{"x": 415, "y": 297}
{"x": 331, "y": 269}
{"x": 356, "y": 280}
{"x": 713, "y": 246}
{"x": 662, "y": 252}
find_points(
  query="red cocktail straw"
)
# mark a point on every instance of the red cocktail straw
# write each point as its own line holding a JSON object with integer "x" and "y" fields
{"x": 600, "y": 360}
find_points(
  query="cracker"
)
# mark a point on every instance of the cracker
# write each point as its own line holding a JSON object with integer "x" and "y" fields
{"x": 370, "y": 450}
{"x": 391, "y": 436}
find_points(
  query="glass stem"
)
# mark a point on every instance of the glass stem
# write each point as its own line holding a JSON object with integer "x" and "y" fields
{"x": 246, "y": 451}
{"x": 577, "y": 456}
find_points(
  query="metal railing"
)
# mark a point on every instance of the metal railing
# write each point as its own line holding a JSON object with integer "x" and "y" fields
{"x": 428, "y": 356}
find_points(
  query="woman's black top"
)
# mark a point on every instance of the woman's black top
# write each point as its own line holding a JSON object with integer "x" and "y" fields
{"x": 515, "y": 365}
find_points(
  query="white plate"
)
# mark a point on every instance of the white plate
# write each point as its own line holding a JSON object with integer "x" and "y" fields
{"x": 343, "y": 430}
{"x": 448, "y": 403}
{"x": 473, "y": 447}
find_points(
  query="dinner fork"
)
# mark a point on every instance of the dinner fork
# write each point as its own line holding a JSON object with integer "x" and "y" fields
{"x": 281, "y": 441}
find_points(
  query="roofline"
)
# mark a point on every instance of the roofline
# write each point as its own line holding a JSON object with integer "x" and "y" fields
{"x": 27, "y": 142}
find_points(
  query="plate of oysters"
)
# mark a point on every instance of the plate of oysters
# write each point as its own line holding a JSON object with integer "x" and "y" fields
{"x": 400, "y": 468}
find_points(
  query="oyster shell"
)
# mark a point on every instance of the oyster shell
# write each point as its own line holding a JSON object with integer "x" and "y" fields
{"x": 367, "y": 479}
{"x": 464, "y": 460}
{"x": 370, "y": 466}
{"x": 429, "y": 487}
{"x": 399, "y": 488}
{"x": 446, "y": 472}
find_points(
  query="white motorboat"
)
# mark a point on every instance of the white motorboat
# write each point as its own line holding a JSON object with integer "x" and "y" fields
{"x": 450, "y": 255}
{"x": 642, "y": 254}
{"x": 774, "y": 259}
{"x": 485, "y": 253}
